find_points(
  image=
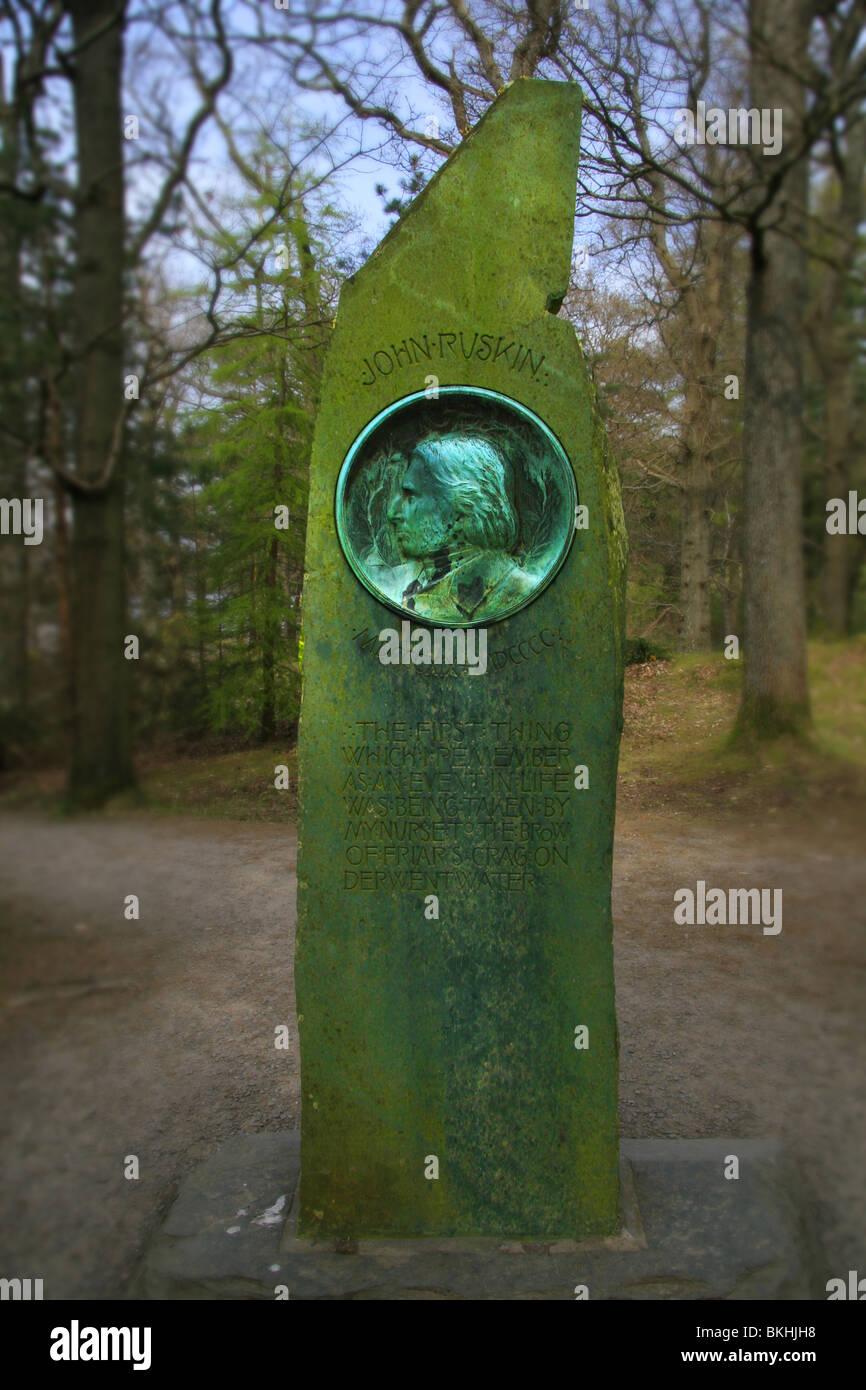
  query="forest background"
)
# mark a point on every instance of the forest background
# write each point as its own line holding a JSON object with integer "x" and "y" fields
{"x": 184, "y": 187}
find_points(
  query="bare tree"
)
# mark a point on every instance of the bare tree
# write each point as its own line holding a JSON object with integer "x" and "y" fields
{"x": 22, "y": 198}
{"x": 834, "y": 338}
{"x": 637, "y": 62}
{"x": 108, "y": 228}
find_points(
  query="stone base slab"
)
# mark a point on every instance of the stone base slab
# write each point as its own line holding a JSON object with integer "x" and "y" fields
{"x": 686, "y": 1232}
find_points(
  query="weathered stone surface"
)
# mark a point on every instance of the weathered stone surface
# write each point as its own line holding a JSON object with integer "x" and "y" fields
{"x": 686, "y": 1233}
{"x": 221, "y": 1238}
{"x": 455, "y": 1038}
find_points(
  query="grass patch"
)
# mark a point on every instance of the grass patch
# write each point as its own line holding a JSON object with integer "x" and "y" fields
{"x": 231, "y": 786}
{"x": 236, "y": 785}
{"x": 679, "y": 716}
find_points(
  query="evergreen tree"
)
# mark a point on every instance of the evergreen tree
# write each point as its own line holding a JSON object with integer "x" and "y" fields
{"x": 249, "y": 447}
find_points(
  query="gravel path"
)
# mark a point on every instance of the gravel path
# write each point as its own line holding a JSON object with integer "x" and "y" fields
{"x": 155, "y": 1037}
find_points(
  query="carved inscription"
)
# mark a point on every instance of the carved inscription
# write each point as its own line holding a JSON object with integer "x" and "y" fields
{"x": 431, "y": 806}
{"x": 462, "y": 346}
{"x": 538, "y": 644}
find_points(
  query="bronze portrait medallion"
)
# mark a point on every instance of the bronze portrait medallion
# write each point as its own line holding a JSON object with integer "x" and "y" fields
{"x": 456, "y": 510}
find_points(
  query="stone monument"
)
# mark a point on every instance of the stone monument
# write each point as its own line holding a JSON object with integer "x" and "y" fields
{"x": 460, "y": 722}
{"x": 463, "y": 663}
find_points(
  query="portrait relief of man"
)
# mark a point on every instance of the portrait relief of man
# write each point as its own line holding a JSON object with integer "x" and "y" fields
{"x": 456, "y": 530}
{"x": 456, "y": 511}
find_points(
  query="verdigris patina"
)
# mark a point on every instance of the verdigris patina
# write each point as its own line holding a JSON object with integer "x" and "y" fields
{"x": 454, "y": 966}
{"x": 457, "y": 510}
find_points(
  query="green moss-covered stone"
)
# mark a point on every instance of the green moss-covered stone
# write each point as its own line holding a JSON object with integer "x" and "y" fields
{"x": 454, "y": 1037}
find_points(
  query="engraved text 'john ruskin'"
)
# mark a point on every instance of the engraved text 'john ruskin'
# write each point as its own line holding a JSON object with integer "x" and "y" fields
{"x": 463, "y": 346}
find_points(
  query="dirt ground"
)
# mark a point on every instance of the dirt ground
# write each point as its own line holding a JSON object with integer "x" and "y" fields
{"x": 156, "y": 1037}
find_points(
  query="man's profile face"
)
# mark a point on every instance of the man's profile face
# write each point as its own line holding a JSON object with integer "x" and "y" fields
{"x": 421, "y": 513}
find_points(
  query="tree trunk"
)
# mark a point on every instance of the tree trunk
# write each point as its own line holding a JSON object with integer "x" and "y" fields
{"x": 837, "y": 358}
{"x": 702, "y": 313}
{"x": 775, "y": 698}
{"x": 695, "y": 635}
{"x": 696, "y": 532}
{"x": 13, "y": 472}
{"x": 839, "y": 418}
{"x": 101, "y": 754}
{"x": 200, "y": 601}
{"x": 270, "y": 632}
{"x": 731, "y": 578}
{"x": 61, "y": 548}
{"x": 13, "y": 611}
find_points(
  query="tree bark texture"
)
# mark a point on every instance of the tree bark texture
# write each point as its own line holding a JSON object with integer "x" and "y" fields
{"x": 13, "y": 470}
{"x": 101, "y": 762}
{"x": 775, "y": 698}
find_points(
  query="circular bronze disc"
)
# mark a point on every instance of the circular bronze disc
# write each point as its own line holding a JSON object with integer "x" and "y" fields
{"x": 456, "y": 511}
